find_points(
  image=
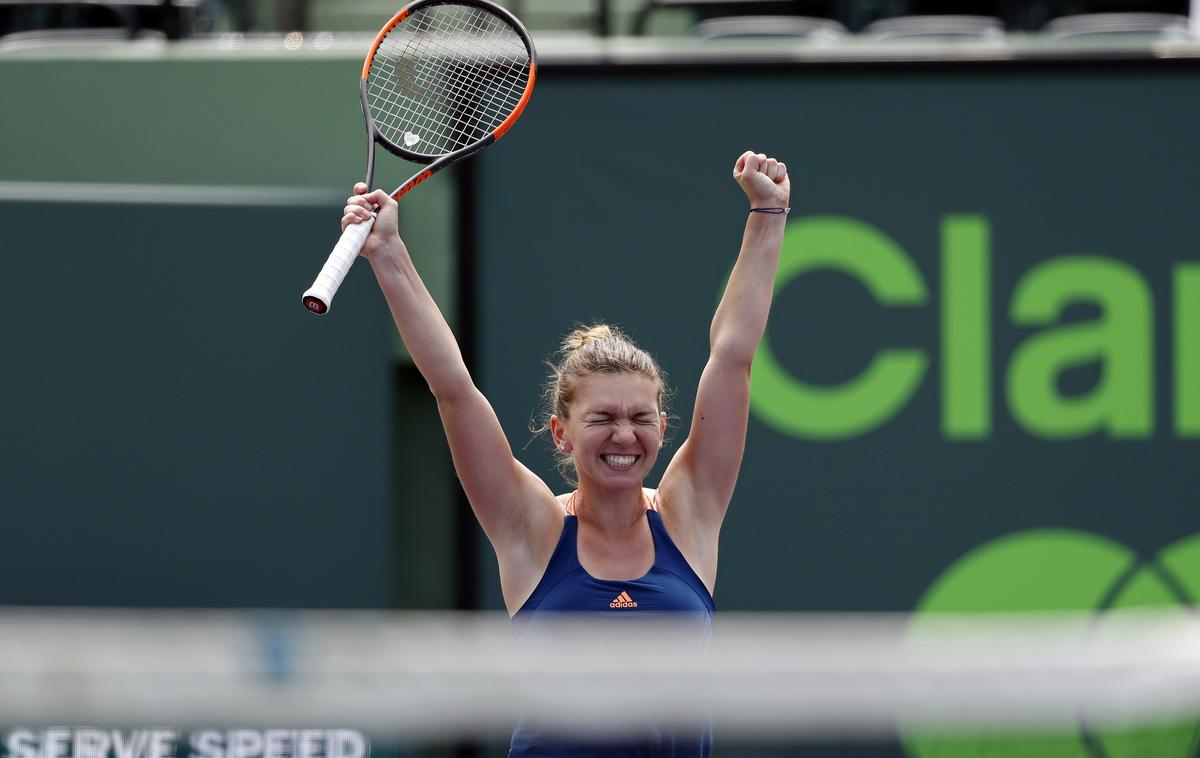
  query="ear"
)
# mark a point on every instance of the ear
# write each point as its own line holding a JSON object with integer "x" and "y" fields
{"x": 558, "y": 431}
{"x": 662, "y": 428}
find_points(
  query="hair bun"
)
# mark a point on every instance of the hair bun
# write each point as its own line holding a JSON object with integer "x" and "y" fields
{"x": 585, "y": 334}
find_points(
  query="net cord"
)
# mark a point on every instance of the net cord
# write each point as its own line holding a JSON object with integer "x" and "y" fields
{"x": 437, "y": 677}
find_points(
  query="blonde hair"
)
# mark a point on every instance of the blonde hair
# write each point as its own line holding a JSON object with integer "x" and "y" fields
{"x": 587, "y": 350}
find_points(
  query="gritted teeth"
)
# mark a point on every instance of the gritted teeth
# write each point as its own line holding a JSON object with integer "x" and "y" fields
{"x": 620, "y": 461}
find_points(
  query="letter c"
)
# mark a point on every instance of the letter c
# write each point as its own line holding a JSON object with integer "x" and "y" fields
{"x": 855, "y": 407}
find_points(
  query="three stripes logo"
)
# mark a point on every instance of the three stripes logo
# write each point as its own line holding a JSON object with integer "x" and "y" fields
{"x": 623, "y": 601}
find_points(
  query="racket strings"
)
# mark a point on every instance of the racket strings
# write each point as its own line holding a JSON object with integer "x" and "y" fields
{"x": 471, "y": 93}
{"x": 446, "y": 77}
{"x": 471, "y": 116}
{"x": 454, "y": 115}
{"x": 468, "y": 74}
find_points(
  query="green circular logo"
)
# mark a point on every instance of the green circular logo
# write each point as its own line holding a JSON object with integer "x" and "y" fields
{"x": 1058, "y": 569}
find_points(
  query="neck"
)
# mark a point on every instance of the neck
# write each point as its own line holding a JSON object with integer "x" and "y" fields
{"x": 609, "y": 510}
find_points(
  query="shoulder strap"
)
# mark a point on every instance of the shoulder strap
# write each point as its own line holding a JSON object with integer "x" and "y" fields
{"x": 668, "y": 557}
{"x": 562, "y": 561}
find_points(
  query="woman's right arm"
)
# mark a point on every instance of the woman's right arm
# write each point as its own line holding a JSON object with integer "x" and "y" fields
{"x": 513, "y": 505}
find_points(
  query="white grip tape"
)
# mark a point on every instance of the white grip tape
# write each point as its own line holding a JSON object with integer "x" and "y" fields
{"x": 334, "y": 271}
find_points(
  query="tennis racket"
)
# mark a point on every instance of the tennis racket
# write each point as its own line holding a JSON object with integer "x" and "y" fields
{"x": 442, "y": 80}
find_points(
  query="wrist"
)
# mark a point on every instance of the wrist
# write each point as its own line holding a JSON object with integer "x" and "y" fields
{"x": 392, "y": 251}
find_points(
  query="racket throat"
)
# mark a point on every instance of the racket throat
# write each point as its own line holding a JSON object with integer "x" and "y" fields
{"x": 371, "y": 132}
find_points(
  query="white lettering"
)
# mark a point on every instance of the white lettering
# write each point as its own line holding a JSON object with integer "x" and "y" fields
{"x": 277, "y": 744}
{"x": 22, "y": 743}
{"x": 244, "y": 743}
{"x": 91, "y": 743}
{"x": 344, "y": 743}
{"x": 56, "y": 743}
{"x": 207, "y": 744}
{"x": 162, "y": 743}
{"x": 131, "y": 746}
{"x": 308, "y": 744}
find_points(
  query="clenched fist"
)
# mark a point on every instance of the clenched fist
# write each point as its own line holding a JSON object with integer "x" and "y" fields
{"x": 764, "y": 180}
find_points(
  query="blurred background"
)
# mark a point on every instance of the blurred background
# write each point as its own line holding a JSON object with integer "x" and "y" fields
{"x": 979, "y": 390}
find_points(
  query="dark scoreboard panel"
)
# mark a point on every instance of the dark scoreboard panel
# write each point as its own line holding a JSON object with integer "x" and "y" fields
{"x": 177, "y": 429}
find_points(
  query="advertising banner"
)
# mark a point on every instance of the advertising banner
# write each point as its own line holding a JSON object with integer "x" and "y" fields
{"x": 980, "y": 383}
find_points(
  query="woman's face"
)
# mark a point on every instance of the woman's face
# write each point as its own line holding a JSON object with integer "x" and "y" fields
{"x": 614, "y": 430}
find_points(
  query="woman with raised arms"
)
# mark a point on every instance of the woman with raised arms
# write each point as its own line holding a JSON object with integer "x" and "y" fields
{"x": 609, "y": 545}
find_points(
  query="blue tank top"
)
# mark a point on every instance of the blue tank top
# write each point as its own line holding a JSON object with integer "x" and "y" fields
{"x": 670, "y": 586}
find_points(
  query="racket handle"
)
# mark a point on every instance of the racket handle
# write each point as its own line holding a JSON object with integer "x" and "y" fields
{"x": 319, "y": 296}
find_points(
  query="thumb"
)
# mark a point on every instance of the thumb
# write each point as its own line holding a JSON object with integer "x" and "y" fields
{"x": 740, "y": 165}
{"x": 379, "y": 198}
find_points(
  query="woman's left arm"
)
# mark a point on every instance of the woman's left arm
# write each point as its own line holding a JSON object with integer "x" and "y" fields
{"x": 701, "y": 477}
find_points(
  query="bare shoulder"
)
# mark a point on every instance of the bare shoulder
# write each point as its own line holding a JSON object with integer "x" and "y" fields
{"x": 673, "y": 499}
{"x": 524, "y": 559}
{"x": 540, "y": 524}
{"x": 563, "y": 499}
{"x": 696, "y": 540}
{"x": 542, "y": 536}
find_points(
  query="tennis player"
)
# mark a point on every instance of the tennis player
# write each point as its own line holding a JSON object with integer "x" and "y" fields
{"x": 610, "y": 545}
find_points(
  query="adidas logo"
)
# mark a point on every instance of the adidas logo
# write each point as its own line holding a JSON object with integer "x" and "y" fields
{"x": 623, "y": 601}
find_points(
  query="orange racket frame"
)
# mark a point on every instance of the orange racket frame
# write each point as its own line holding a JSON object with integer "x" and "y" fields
{"x": 319, "y": 297}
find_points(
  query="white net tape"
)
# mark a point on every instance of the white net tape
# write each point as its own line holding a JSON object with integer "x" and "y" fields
{"x": 435, "y": 677}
